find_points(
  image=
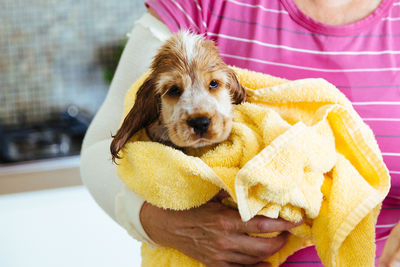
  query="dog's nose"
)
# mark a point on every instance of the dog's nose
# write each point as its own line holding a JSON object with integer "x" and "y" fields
{"x": 199, "y": 124}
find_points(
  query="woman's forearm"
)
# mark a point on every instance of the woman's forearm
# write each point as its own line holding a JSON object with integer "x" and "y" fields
{"x": 97, "y": 171}
{"x": 215, "y": 234}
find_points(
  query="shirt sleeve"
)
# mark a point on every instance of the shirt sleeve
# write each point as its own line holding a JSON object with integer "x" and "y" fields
{"x": 97, "y": 170}
{"x": 182, "y": 14}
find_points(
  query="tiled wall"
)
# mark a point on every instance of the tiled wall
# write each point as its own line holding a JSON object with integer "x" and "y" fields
{"x": 54, "y": 53}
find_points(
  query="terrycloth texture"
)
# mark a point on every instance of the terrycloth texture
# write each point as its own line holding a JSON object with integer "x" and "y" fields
{"x": 297, "y": 151}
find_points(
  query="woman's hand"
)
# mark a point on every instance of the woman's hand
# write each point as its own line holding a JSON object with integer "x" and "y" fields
{"x": 391, "y": 253}
{"x": 214, "y": 234}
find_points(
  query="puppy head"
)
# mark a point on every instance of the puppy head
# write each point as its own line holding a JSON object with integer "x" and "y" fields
{"x": 197, "y": 90}
{"x": 190, "y": 90}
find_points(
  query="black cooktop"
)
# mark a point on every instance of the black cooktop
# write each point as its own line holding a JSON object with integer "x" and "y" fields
{"x": 57, "y": 137}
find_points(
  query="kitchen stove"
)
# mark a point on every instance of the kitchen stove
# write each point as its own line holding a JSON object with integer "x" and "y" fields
{"x": 61, "y": 136}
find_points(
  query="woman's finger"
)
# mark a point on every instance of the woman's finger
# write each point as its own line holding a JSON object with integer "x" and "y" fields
{"x": 261, "y": 247}
{"x": 261, "y": 224}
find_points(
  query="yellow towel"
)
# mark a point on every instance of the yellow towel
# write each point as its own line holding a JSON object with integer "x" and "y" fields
{"x": 297, "y": 150}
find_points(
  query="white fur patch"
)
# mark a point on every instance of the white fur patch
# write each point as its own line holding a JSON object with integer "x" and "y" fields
{"x": 197, "y": 100}
{"x": 163, "y": 79}
{"x": 189, "y": 42}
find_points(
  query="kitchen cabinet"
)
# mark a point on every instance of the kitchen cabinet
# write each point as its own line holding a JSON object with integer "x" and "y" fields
{"x": 39, "y": 175}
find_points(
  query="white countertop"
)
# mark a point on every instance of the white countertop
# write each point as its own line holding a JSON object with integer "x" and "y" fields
{"x": 61, "y": 227}
{"x": 40, "y": 165}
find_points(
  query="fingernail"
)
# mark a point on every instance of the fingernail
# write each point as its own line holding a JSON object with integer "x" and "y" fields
{"x": 299, "y": 223}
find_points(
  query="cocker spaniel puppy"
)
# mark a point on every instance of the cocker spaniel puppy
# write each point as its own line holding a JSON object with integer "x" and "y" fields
{"x": 187, "y": 99}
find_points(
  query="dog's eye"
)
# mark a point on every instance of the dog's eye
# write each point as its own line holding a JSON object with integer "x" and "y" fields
{"x": 213, "y": 84}
{"x": 174, "y": 91}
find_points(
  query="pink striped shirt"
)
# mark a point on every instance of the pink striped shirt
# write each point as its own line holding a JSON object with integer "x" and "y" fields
{"x": 362, "y": 59}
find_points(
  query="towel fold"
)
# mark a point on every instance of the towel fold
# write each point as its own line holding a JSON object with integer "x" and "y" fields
{"x": 297, "y": 150}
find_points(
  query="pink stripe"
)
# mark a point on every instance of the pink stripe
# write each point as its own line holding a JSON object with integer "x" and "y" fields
{"x": 393, "y": 201}
{"x": 265, "y": 3}
{"x": 395, "y": 174}
{"x": 378, "y": 93}
{"x": 254, "y": 5}
{"x": 304, "y": 257}
{"x": 378, "y": 111}
{"x": 388, "y": 217}
{"x": 392, "y": 162}
{"x": 389, "y": 143}
{"x": 393, "y": 198}
{"x": 384, "y": 127}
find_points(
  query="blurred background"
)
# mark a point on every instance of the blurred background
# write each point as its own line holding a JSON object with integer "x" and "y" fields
{"x": 57, "y": 59}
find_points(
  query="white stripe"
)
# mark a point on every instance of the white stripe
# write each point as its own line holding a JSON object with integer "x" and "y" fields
{"x": 187, "y": 15}
{"x": 381, "y": 119}
{"x": 303, "y": 50}
{"x": 198, "y": 6}
{"x": 394, "y": 172}
{"x": 397, "y": 4}
{"x": 391, "y": 19}
{"x": 385, "y": 225}
{"x": 201, "y": 11}
{"x": 257, "y": 6}
{"x": 391, "y": 154}
{"x": 375, "y": 103}
{"x": 307, "y": 68}
{"x": 382, "y": 238}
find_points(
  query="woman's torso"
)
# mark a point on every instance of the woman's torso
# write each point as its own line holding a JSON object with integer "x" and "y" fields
{"x": 362, "y": 59}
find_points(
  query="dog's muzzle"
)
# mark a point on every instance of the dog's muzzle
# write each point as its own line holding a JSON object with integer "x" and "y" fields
{"x": 200, "y": 124}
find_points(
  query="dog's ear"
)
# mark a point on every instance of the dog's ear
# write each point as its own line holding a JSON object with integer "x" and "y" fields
{"x": 237, "y": 91}
{"x": 144, "y": 112}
